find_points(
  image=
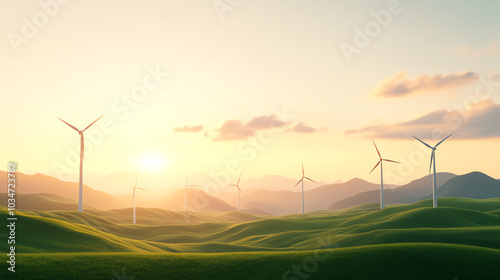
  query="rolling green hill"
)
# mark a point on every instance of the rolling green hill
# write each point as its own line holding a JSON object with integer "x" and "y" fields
{"x": 457, "y": 221}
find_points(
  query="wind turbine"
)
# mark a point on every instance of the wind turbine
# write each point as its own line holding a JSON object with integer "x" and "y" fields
{"x": 185, "y": 189}
{"x": 238, "y": 186}
{"x": 433, "y": 160}
{"x": 381, "y": 174}
{"x": 302, "y": 180}
{"x": 82, "y": 156}
{"x": 133, "y": 195}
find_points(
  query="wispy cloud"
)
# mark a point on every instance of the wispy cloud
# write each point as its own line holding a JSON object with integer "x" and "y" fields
{"x": 400, "y": 85}
{"x": 188, "y": 128}
{"x": 491, "y": 49}
{"x": 302, "y": 128}
{"x": 233, "y": 130}
{"x": 481, "y": 121}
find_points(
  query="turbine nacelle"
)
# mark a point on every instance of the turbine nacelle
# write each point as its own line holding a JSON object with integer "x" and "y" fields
{"x": 237, "y": 183}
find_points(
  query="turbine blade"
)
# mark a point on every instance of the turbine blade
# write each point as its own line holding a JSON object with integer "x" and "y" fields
{"x": 377, "y": 149}
{"x": 136, "y": 178}
{"x": 443, "y": 140}
{"x": 302, "y": 169}
{"x": 422, "y": 142}
{"x": 432, "y": 158}
{"x": 299, "y": 182}
{"x": 239, "y": 189}
{"x": 133, "y": 195}
{"x": 141, "y": 189}
{"x": 185, "y": 177}
{"x": 375, "y": 166}
{"x": 93, "y": 122}
{"x": 310, "y": 179}
{"x": 70, "y": 125}
{"x": 239, "y": 179}
{"x": 390, "y": 160}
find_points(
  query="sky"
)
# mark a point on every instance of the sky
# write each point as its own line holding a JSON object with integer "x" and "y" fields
{"x": 220, "y": 87}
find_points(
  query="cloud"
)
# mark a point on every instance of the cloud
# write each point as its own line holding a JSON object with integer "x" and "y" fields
{"x": 479, "y": 122}
{"x": 264, "y": 122}
{"x": 233, "y": 130}
{"x": 492, "y": 49}
{"x": 400, "y": 85}
{"x": 302, "y": 128}
{"x": 188, "y": 128}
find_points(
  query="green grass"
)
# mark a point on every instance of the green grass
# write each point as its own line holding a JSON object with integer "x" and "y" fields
{"x": 456, "y": 221}
{"x": 396, "y": 261}
{"x": 458, "y": 239}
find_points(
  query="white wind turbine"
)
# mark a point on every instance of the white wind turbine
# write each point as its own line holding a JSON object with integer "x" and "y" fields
{"x": 133, "y": 195}
{"x": 239, "y": 190}
{"x": 381, "y": 174}
{"x": 185, "y": 189}
{"x": 82, "y": 156}
{"x": 302, "y": 180}
{"x": 433, "y": 160}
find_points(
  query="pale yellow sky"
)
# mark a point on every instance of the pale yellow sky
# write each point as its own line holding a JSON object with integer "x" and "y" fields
{"x": 90, "y": 58}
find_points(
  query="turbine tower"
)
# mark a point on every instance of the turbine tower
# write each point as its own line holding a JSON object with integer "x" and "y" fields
{"x": 185, "y": 189}
{"x": 433, "y": 165}
{"x": 133, "y": 195}
{"x": 82, "y": 156}
{"x": 381, "y": 174}
{"x": 302, "y": 181}
{"x": 239, "y": 190}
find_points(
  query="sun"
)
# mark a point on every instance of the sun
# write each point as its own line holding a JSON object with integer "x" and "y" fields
{"x": 152, "y": 162}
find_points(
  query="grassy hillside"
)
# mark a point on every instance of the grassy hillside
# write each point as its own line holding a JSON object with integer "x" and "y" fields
{"x": 387, "y": 262}
{"x": 43, "y": 202}
{"x": 457, "y": 221}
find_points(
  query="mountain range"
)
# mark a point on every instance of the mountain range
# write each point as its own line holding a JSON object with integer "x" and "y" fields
{"x": 42, "y": 192}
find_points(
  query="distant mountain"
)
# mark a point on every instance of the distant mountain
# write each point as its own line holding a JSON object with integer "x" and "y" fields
{"x": 473, "y": 185}
{"x": 406, "y": 194}
{"x": 275, "y": 183}
{"x": 196, "y": 200}
{"x": 39, "y": 183}
{"x": 42, "y": 192}
{"x": 286, "y": 202}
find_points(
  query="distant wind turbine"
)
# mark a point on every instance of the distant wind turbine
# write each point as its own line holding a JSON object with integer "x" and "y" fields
{"x": 381, "y": 174}
{"x": 133, "y": 195}
{"x": 302, "y": 181}
{"x": 82, "y": 156}
{"x": 239, "y": 190}
{"x": 433, "y": 160}
{"x": 185, "y": 189}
